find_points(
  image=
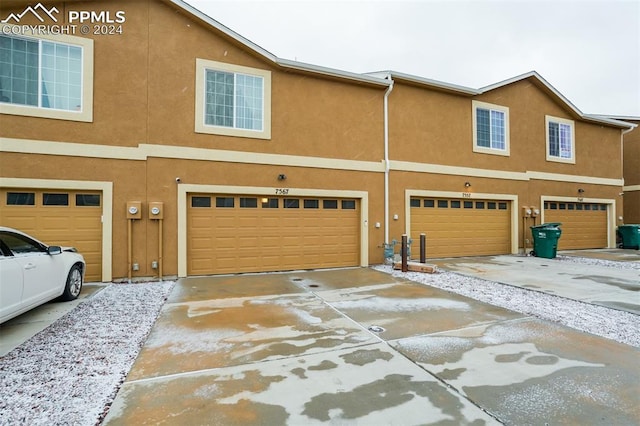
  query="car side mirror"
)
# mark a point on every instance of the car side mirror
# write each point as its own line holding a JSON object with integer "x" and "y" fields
{"x": 54, "y": 250}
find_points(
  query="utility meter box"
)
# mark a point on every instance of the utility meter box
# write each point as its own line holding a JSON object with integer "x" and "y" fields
{"x": 134, "y": 209}
{"x": 156, "y": 210}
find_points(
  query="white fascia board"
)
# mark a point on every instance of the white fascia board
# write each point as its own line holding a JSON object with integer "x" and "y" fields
{"x": 624, "y": 119}
{"x": 428, "y": 82}
{"x": 619, "y": 117}
{"x": 609, "y": 120}
{"x": 287, "y": 63}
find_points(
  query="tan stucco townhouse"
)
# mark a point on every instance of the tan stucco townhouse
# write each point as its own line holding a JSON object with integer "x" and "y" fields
{"x": 160, "y": 142}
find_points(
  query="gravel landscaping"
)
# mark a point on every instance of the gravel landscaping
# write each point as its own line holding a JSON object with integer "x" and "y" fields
{"x": 69, "y": 373}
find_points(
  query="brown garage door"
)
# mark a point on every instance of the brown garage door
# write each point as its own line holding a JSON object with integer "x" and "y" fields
{"x": 230, "y": 234}
{"x": 584, "y": 225}
{"x": 60, "y": 217}
{"x": 461, "y": 227}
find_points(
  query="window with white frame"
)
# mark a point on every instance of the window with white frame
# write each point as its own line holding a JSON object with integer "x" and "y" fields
{"x": 233, "y": 100}
{"x": 560, "y": 139}
{"x": 45, "y": 77}
{"x": 490, "y": 128}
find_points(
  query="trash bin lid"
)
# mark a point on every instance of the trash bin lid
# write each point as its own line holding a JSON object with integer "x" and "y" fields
{"x": 549, "y": 225}
{"x": 628, "y": 226}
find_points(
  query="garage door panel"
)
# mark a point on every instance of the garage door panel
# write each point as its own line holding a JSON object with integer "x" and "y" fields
{"x": 270, "y": 242}
{"x": 27, "y": 224}
{"x": 272, "y": 239}
{"x": 270, "y": 261}
{"x": 201, "y": 222}
{"x": 247, "y": 241}
{"x": 470, "y": 230}
{"x": 73, "y": 225}
{"x": 584, "y": 225}
{"x": 291, "y": 242}
{"x": 223, "y": 243}
{"x": 55, "y": 219}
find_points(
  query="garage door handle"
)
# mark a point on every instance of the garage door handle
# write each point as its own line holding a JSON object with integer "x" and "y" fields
{"x": 30, "y": 266}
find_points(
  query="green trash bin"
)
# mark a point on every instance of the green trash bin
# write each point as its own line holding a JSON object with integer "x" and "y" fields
{"x": 630, "y": 235}
{"x": 545, "y": 239}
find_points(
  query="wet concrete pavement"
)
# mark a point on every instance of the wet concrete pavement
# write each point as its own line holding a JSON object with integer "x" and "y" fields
{"x": 610, "y": 287}
{"x": 298, "y": 348}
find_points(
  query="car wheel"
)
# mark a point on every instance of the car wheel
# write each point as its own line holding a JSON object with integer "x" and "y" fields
{"x": 74, "y": 284}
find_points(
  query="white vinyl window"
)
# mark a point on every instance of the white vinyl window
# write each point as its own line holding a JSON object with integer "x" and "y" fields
{"x": 560, "y": 139}
{"x": 45, "y": 77}
{"x": 490, "y": 128}
{"x": 232, "y": 100}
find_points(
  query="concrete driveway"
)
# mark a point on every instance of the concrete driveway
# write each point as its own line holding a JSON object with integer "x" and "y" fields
{"x": 357, "y": 346}
{"x": 610, "y": 287}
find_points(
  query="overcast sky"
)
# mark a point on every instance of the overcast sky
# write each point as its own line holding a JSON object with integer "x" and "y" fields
{"x": 587, "y": 50}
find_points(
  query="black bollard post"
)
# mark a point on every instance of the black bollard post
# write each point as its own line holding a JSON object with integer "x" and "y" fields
{"x": 423, "y": 248}
{"x": 403, "y": 253}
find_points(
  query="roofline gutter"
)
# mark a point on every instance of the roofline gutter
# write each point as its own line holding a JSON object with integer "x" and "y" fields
{"x": 331, "y": 72}
{"x": 610, "y": 121}
{"x": 434, "y": 84}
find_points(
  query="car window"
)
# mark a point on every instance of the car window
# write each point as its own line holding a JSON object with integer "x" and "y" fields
{"x": 4, "y": 250}
{"x": 19, "y": 244}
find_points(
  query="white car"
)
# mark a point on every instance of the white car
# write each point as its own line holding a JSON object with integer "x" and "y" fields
{"x": 32, "y": 273}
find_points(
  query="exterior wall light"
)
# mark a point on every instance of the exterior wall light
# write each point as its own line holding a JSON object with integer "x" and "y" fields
{"x": 282, "y": 177}
{"x": 467, "y": 184}
{"x": 580, "y": 191}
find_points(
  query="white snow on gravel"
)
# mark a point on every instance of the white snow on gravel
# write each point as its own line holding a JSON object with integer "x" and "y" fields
{"x": 70, "y": 372}
{"x": 599, "y": 262}
{"x": 612, "y": 324}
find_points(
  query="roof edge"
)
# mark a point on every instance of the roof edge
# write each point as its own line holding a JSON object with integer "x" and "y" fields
{"x": 534, "y": 74}
{"x": 625, "y": 118}
{"x": 285, "y": 63}
{"x": 220, "y": 27}
{"x": 425, "y": 81}
{"x": 382, "y": 78}
{"x": 616, "y": 121}
{"x": 585, "y": 117}
{"x": 332, "y": 72}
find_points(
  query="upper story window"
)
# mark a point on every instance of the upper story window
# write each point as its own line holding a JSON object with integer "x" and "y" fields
{"x": 560, "y": 139}
{"x": 232, "y": 100}
{"x": 490, "y": 128}
{"x": 46, "y": 77}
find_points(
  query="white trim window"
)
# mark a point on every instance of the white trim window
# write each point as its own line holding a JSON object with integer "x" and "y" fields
{"x": 560, "y": 139}
{"x": 490, "y": 128}
{"x": 45, "y": 78}
{"x": 232, "y": 100}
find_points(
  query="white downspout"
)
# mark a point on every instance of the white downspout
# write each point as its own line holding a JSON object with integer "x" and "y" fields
{"x": 615, "y": 215}
{"x": 386, "y": 160}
